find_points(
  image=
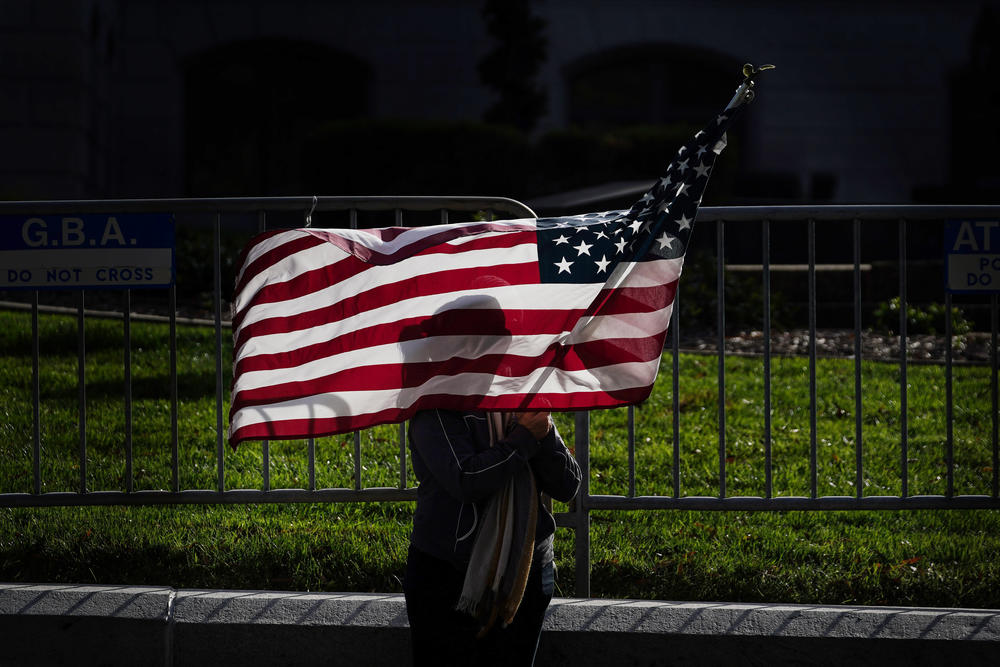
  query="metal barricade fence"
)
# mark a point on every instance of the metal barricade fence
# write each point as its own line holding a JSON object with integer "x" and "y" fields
{"x": 578, "y": 512}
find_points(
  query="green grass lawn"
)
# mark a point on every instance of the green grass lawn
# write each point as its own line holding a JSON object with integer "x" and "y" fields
{"x": 933, "y": 558}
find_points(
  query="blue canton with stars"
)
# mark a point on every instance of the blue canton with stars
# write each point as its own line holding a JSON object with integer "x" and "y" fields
{"x": 587, "y": 248}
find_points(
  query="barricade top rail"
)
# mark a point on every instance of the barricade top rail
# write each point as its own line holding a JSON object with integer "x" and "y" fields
{"x": 254, "y": 204}
{"x": 868, "y": 212}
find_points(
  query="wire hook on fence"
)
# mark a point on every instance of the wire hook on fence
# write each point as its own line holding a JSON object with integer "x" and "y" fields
{"x": 309, "y": 214}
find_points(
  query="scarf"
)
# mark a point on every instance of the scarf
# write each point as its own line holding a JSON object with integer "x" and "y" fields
{"x": 501, "y": 555}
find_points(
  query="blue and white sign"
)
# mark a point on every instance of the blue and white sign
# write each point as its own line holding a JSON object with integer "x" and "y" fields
{"x": 972, "y": 256}
{"x": 86, "y": 251}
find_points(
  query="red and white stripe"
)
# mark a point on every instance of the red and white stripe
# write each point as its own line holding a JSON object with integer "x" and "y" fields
{"x": 336, "y": 330}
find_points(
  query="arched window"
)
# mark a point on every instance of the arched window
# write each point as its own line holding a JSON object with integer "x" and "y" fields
{"x": 251, "y": 106}
{"x": 648, "y": 84}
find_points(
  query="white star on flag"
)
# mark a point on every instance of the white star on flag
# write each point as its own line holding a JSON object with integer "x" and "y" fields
{"x": 583, "y": 248}
{"x": 665, "y": 241}
{"x": 602, "y": 264}
{"x": 564, "y": 265}
{"x": 561, "y": 239}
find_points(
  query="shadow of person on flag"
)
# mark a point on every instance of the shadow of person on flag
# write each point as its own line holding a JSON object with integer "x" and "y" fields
{"x": 458, "y": 355}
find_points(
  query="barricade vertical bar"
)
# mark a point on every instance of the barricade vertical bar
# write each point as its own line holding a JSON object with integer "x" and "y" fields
{"x": 82, "y": 389}
{"x": 127, "y": 319}
{"x": 903, "y": 437}
{"x": 402, "y": 426}
{"x": 631, "y": 451}
{"x": 675, "y": 389}
{"x": 402, "y": 455}
{"x": 721, "y": 320}
{"x": 949, "y": 455}
{"x": 174, "y": 439}
{"x": 353, "y": 219}
{"x": 36, "y": 395}
{"x": 266, "y": 465}
{"x": 766, "y": 261}
{"x": 265, "y": 445}
{"x": 217, "y": 264}
{"x": 812, "y": 359}
{"x": 993, "y": 392}
{"x": 581, "y": 443}
{"x": 312, "y": 464}
{"x": 858, "y": 452}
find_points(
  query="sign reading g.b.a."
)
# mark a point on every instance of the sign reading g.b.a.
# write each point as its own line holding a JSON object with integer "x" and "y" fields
{"x": 87, "y": 251}
{"x": 972, "y": 255}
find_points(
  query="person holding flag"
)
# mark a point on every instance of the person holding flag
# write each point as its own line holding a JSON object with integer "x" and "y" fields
{"x": 480, "y": 572}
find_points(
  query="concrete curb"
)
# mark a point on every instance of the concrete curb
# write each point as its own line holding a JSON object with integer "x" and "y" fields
{"x": 131, "y": 625}
{"x": 772, "y": 620}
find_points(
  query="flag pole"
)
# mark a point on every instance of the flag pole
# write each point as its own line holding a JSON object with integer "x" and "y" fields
{"x": 744, "y": 95}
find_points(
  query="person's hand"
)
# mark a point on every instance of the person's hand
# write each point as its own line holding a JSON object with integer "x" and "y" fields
{"x": 539, "y": 423}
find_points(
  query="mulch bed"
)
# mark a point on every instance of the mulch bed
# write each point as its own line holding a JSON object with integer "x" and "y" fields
{"x": 973, "y": 347}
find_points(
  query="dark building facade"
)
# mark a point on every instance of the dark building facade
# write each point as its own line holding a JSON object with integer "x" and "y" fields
{"x": 871, "y": 102}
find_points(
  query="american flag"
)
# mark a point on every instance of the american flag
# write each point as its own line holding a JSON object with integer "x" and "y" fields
{"x": 336, "y": 330}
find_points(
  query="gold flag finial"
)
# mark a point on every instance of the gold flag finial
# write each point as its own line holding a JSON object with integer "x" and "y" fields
{"x": 749, "y": 70}
{"x": 745, "y": 93}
